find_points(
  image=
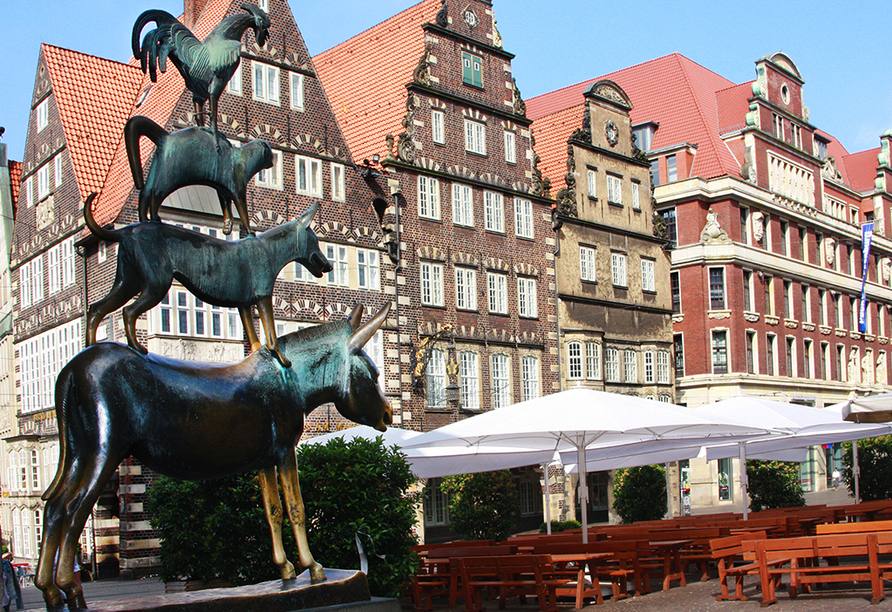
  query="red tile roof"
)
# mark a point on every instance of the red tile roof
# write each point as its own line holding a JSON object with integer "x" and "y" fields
{"x": 732, "y": 106}
{"x": 365, "y": 77}
{"x": 157, "y": 106}
{"x": 94, "y": 97}
{"x": 15, "y": 177}
{"x": 860, "y": 169}
{"x": 673, "y": 91}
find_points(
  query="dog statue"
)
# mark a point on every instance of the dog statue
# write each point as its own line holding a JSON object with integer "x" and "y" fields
{"x": 238, "y": 273}
{"x": 212, "y": 161}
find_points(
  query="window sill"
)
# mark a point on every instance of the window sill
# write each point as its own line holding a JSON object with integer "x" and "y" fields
{"x": 649, "y": 291}
{"x": 437, "y": 306}
{"x": 528, "y": 317}
{"x": 431, "y": 219}
{"x": 586, "y": 281}
{"x": 494, "y": 231}
{"x": 615, "y": 204}
{"x": 592, "y": 198}
{"x": 476, "y": 153}
{"x": 499, "y": 314}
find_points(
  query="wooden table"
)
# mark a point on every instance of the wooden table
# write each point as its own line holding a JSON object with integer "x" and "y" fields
{"x": 670, "y": 552}
{"x": 581, "y": 561}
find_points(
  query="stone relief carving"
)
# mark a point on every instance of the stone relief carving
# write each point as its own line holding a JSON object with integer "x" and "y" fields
{"x": 886, "y": 268}
{"x": 584, "y": 134}
{"x": 881, "y": 368}
{"x": 442, "y": 18}
{"x": 758, "y": 226}
{"x": 406, "y": 148}
{"x": 566, "y": 197}
{"x": 712, "y": 232}
{"x": 661, "y": 230}
{"x": 496, "y": 35}
{"x": 867, "y": 368}
{"x": 422, "y": 72}
{"x": 854, "y": 370}
{"x": 830, "y": 250}
{"x": 46, "y": 212}
{"x": 605, "y": 91}
{"x": 611, "y": 131}
{"x": 748, "y": 169}
{"x": 520, "y": 107}
{"x": 539, "y": 185}
{"x": 830, "y": 171}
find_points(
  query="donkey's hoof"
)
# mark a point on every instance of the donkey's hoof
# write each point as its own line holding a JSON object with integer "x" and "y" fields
{"x": 287, "y": 571}
{"x": 317, "y": 574}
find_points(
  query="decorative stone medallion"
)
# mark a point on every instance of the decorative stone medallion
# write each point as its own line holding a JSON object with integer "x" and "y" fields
{"x": 612, "y": 132}
{"x": 470, "y": 17}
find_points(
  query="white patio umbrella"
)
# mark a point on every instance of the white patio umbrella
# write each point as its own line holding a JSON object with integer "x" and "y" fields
{"x": 577, "y": 419}
{"x": 805, "y": 426}
{"x": 869, "y": 409}
{"x": 392, "y": 437}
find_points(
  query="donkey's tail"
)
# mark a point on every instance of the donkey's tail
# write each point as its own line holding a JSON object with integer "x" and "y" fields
{"x": 136, "y": 127}
{"x": 64, "y": 399}
{"x": 98, "y": 230}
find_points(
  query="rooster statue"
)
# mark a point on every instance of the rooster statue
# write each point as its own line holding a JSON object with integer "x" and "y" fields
{"x": 206, "y": 66}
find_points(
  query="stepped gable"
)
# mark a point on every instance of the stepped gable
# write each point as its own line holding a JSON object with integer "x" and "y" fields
{"x": 94, "y": 97}
{"x": 674, "y": 91}
{"x": 158, "y": 106}
{"x": 365, "y": 77}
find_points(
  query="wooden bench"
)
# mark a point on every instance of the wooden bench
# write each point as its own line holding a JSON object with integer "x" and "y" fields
{"x": 804, "y": 555}
{"x": 865, "y": 527}
{"x": 439, "y": 575}
{"x": 516, "y": 575}
{"x": 735, "y": 557}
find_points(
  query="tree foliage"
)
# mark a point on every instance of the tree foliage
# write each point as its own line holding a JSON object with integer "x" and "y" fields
{"x": 875, "y": 459}
{"x": 218, "y": 528}
{"x": 773, "y": 484}
{"x": 360, "y": 487}
{"x": 482, "y": 506}
{"x": 639, "y": 493}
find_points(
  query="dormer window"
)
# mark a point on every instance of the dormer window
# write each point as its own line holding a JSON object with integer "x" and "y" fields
{"x": 820, "y": 148}
{"x": 644, "y": 135}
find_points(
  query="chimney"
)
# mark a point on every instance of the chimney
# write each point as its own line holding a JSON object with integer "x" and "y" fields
{"x": 192, "y": 11}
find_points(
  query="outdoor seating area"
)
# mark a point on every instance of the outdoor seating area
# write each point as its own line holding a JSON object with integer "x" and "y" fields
{"x": 799, "y": 549}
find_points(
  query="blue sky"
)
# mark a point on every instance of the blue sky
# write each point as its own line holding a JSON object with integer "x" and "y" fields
{"x": 842, "y": 48}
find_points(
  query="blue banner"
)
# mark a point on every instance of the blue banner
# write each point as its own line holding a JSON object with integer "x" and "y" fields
{"x": 866, "y": 239}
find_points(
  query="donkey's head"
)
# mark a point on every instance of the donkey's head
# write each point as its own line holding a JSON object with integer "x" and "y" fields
{"x": 361, "y": 399}
{"x": 309, "y": 255}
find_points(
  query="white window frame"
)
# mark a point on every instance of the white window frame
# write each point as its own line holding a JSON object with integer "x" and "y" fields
{"x": 469, "y": 380}
{"x": 501, "y": 380}
{"x": 593, "y": 360}
{"x": 636, "y": 196}
{"x": 465, "y": 288}
{"x": 663, "y": 375}
{"x": 269, "y": 79}
{"x": 29, "y": 191}
{"x": 368, "y": 269}
{"x": 338, "y": 255}
{"x": 630, "y": 366}
{"x": 338, "y": 184}
{"x": 529, "y": 377}
{"x": 523, "y": 218}
{"x": 296, "y": 81}
{"x": 43, "y": 182}
{"x": 648, "y": 275}
{"x": 57, "y": 170}
{"x": 497, "y": 285}
{"x": 462, "y": 204}
{"x": 494, "y": 211}
{"x": 574, "y": 360}
{"x": 271, "y": 178}
{"x": 587, "y": 267}
{"x": 431, "y": 275}
{"x": 527, "y": 305}
{"x": 592, "y": 177}
{"x": 234, "y": 86}
{"x": 428, "y": 197}
{"x": 308, "y": 176}
{"x": 43, "y": 114}
{"x": 438, "y": 126}
{"x": 41, "y": 358}
{"x": 475, "y": 137}
{"x": 510, "y": 147}
{"x": 649, "y": 368}
{"x": 436, "y": 380}
{"x": 54, "y": 269}
{"x": 611, "y": 365}
{"x": 614, "y": 190}
{"x": 618, "y": 266}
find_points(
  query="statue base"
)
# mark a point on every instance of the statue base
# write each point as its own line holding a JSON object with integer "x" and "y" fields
{"x": 342, "y": 589}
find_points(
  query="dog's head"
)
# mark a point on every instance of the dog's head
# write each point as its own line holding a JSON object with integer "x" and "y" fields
{"x": 309, "y": 255}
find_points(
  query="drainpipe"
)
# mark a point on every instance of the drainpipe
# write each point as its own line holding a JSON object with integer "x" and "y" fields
{"x": 395, "y": 192}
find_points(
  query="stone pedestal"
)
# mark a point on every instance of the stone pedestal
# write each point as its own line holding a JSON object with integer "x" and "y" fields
{"x": 342, "y": 589}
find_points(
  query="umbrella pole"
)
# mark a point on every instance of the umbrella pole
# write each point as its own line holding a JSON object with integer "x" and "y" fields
{"x": 856, "y": 471}
{"x": 583, "y": 487}
{"x": 744, "y": 487}
{"x": 547, "y": 499}
{"x": 668, "y": 493}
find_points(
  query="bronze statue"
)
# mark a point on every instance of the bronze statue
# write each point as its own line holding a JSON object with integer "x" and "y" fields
{"x": 206, "y": 66}
{"x": 199, "y": 421}
{"x": 238, "y": 273}
{"x": 212, "y": 161}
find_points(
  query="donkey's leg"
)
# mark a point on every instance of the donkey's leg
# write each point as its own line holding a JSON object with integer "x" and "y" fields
{"x": 298, "y": 516}
{"x": 98, "y": 470}
{"x": 265, "y": 309}
{"x": 273, "y": 505}
{"x": 53, "y": 526}
{"x": 248, "y": 323}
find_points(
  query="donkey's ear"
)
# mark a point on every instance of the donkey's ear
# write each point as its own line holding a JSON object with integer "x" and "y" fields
{"x": 355, "y": 317}
{"x": 307, "y": 218}
{"x": 365, "y": 333}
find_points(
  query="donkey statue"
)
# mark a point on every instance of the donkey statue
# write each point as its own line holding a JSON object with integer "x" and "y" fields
{"x": 197, "y": 421}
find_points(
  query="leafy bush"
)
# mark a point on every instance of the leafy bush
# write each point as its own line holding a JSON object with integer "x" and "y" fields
{"x": 218, "y": 528}
{"x": 875, "y": 459}
{"x": 773, "y": 484}
{"x": 639, "y": 493}
{"x": 558, "y": 526}
{"x": 360, "y": 487}
{"x": 213, "y": 529}
{"x": 482, "y": 506}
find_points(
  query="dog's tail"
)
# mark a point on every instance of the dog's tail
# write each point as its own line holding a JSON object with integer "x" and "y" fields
{"x": 136, "y": 127}
{"x": 98, "y": 230}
